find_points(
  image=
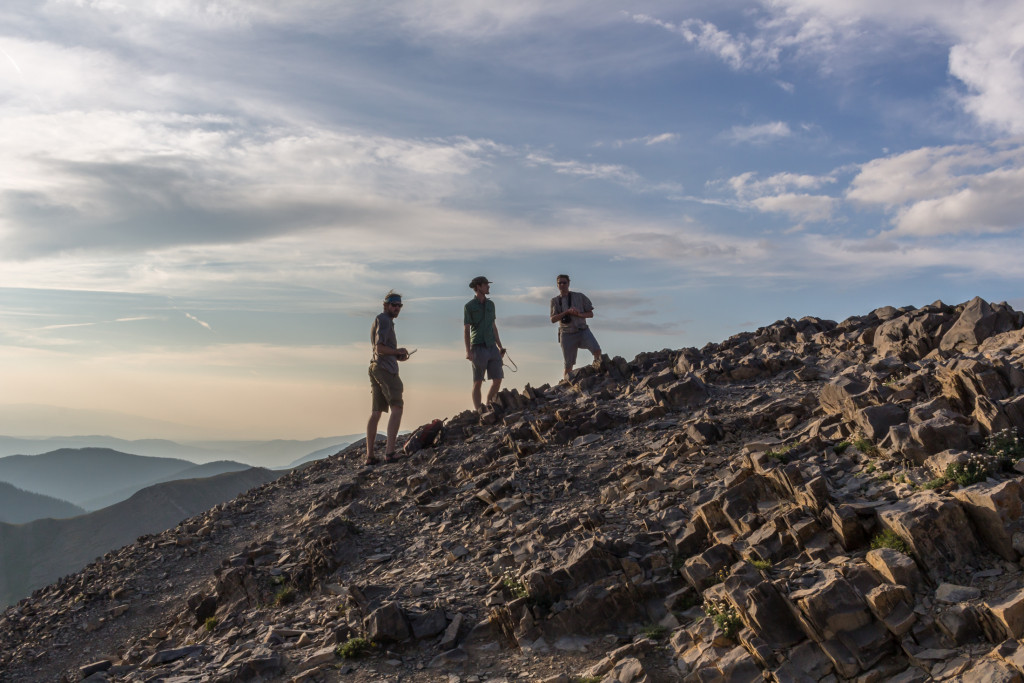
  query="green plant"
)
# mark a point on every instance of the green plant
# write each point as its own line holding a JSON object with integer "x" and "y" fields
{"x": 763, "y": 565}
{"x": 285, "y": 596}
{"x": 1006, "y": 446}
{"x": 353, "y": 648}
{"x": 210, "y": 623}
{"x": 976, "y": 469}
{"x": 678, "y": 560}
{"x": 514, "y": 586}
{"x": 725, "y": 617}
{"x": 655, "y": 631}
{"x": 781, "y": 454}
{"x": 840, "y": 447}
{"x": 870, "y": 468}
{"x": 866, "y": 447}
{"x": 889, "y": 539}
{"x": 718, "y": 577}
{"x": 587, "y": 679}
{"x": 935, "y": 483}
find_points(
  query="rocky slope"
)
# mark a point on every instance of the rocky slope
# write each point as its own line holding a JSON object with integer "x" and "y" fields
{"x": 37, "y": 552}
{"x": 813, "y": 501}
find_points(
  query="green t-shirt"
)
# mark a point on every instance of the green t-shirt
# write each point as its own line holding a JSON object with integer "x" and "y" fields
{"x": 480, "y": 317}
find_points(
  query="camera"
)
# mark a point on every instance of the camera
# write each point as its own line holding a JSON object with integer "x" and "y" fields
{"x": 566, "y": 319}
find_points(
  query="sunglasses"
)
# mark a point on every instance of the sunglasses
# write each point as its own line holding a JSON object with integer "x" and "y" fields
{"x": 399, "y": 305}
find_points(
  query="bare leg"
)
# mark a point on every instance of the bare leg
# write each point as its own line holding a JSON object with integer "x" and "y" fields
{"x": 393, "y": 423}
{"x": 493, "y": 393}
{"x": 476, "y": 395}
{"x": 565, "y": 375}
{"x": 371, "y": 434}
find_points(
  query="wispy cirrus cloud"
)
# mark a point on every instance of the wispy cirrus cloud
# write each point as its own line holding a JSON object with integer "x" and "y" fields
{"x": 202, "y": 323}
{"x": 759, "y": 134}
{"x": 738, "y": 51}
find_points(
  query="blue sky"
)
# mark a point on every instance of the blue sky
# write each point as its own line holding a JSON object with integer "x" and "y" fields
{"x": 202, "y": 203}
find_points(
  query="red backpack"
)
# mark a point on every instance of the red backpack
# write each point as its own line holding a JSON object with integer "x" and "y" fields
{"x": 424, "y": 437}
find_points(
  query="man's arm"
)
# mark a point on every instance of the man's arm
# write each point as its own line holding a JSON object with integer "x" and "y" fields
{"x": 465, "y": 335}
{"x": 555, "y": 314}
{"x": 388, "y": 351}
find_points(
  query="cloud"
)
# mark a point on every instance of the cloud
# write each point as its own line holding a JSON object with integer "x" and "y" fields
{"x": 127, "y": 180}
{"x": 649, "y": 140}
{"x": 610, "y": 172}
{"x": 204, "y": 324}
{"x": 760, "y": 134}
{"x": 747, "y": 185}
{"x": 738, "y": 52}
{"x": 800, "y": 207}
{"x": 947, "y": 190}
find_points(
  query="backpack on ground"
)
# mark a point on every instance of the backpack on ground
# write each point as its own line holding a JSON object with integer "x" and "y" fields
{"x": 424, "y": 437}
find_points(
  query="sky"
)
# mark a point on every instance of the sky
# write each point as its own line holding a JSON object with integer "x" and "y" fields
{"x": 203, "y": 203}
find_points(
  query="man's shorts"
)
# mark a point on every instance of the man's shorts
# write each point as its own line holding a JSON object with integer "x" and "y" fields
{"x": 571, "y": 342}
{"x": 385, "y": 388}
{"x": 487, "y": 358}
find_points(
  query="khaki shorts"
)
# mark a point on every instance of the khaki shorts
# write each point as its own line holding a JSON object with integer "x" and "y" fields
{"x": 385, "y": 389}
{"x": 572, "y": 342}
{"x": 487, "y": 359}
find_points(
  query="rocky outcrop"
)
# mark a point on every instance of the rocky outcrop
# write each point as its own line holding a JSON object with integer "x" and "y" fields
{"x": 809, "y": 501}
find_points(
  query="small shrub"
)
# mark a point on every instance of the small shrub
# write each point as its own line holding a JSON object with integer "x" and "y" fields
{"x": 678, "y": 561}
{"x": 889, "y": 539}
{"x": 935, "y": 483}
{"x": 970, "y": 472}
{"x": 587, "y": 679}
{"x": 866, "y": 447}
{"x": 210, "y": 623}
{"x": 1005, "y": 446}
{"x": 285, "y": 596}
{"x": 514, "y": 586}
{"x": 763, "y": 565}
{"x": 870, "y": 468}
{"x": 781, "y": 454}
{"x": 840, "y": 447}
{"x": 353, "y": 648}
{"x": 725, "y": 617}
{"x": 718, "y": 577}
{"x": 655, "y": 631}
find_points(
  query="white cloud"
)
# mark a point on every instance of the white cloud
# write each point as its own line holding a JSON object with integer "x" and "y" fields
{"x": 610, "y": 172}
{"x": 739, "y": 52}
{"x": 947, "y": 190}
{"x": 649, "y": 140}
{"x": 760, "y": 134}
{"x": 197, "y": 320}
{"x": 800, "y": 207}
{"x": 747, "y": 185}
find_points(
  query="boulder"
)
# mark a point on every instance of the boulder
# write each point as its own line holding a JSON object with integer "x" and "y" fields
{"x": 996, "y": 508}
{"x": 937, "y": 531}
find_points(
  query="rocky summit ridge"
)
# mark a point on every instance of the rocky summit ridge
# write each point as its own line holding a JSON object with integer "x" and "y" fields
{"x": 812, "y": 501}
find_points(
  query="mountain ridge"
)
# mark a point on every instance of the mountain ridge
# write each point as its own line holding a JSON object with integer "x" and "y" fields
{"x": 791, "y": 503}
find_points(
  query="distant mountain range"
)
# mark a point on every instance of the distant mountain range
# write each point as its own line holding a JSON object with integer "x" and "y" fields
{"x": 275, "y": 453}
{"x": 18, "y": 507}
{"x": 97, "y": 477}
{"x": 36, "y": 553}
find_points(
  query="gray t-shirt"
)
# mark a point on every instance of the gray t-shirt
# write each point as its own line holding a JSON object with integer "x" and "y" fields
{"x": 574, "y": 300}
{"x": 383, "y": 332}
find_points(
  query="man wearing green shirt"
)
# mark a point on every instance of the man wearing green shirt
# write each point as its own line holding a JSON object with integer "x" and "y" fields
{"x": 483, "y": 345}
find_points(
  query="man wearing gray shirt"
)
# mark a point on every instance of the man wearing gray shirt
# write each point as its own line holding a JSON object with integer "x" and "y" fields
{"x": 385, "y": 384}
{"x": 571, "y": 310}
